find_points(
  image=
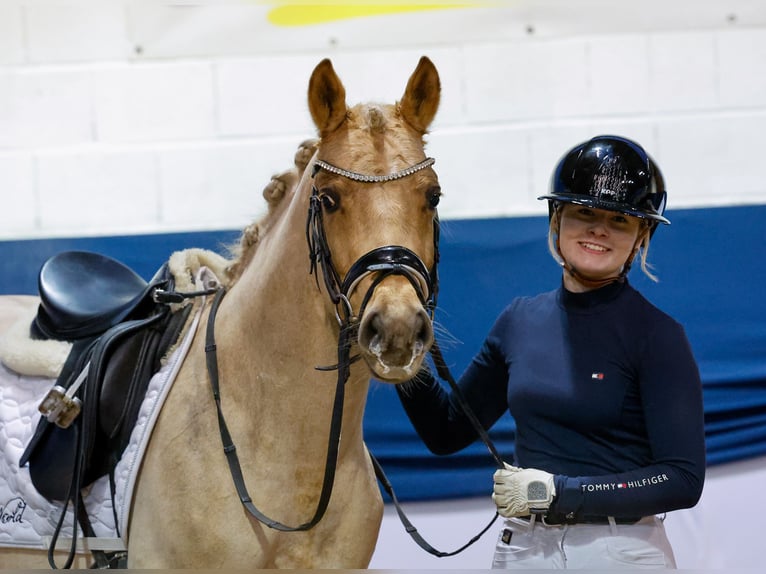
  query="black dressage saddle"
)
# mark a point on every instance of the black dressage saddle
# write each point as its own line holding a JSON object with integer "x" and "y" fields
{"x": 84, "y": 293}
{"x": 119, "y": 330}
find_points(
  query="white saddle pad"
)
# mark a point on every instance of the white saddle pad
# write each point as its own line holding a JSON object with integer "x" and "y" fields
{"x": 27, "y": 519}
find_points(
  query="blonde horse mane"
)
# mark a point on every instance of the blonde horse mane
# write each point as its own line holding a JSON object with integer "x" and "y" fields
{"x": 282, "y": 185}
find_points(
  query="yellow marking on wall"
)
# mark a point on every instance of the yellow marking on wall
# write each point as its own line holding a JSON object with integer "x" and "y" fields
{"x": 309, "y": 14}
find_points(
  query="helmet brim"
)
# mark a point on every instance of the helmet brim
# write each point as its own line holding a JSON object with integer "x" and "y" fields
{"x": 596, "y": 203}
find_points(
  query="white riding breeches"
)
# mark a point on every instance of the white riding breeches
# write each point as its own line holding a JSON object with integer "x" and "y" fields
{"x": 530, "y": 544}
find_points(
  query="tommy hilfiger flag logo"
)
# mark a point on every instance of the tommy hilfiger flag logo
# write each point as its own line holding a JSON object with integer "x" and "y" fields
{"x": 597, "y": 376}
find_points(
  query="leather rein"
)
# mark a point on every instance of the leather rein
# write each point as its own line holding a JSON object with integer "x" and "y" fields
{"x": 380, "y": 263}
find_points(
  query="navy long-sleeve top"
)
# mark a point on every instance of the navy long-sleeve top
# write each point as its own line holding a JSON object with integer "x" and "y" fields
{"x": 605, "y": 393}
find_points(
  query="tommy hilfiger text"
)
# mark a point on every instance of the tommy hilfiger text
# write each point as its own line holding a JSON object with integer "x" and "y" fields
{"x": 620, "y": 485}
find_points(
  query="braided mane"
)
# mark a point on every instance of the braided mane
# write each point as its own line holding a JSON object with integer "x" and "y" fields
{"x": 280, "y": 186}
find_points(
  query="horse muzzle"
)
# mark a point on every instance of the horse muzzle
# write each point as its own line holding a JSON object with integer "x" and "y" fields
{"x": 395, "y": 330}
{"x": 395, "y": 333}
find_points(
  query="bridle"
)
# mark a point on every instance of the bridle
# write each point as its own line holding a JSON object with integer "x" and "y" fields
{"x": 379, "y": 263}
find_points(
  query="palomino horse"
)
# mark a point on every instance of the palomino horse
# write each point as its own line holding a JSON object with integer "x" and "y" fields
{"x": 370, "y": 196}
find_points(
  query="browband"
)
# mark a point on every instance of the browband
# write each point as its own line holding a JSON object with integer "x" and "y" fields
{"x": 320, "y": 164}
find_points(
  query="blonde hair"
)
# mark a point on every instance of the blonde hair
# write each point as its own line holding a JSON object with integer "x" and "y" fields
{"x": 643, "y": 247}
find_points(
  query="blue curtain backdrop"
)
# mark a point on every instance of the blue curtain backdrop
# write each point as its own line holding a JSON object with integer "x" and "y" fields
{"x": 712, "y": 276}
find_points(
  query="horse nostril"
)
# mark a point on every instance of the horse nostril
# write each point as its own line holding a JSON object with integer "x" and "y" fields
{"x": 425, "y": 332}
{"x": 369, "y": 334}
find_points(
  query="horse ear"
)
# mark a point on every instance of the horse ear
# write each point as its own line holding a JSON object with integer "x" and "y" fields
{"x": 421, "y": 97}
{"x": 327, "y": 98}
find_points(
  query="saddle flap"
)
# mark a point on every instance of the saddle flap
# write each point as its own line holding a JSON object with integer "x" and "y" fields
{"x": 122, "y": 361}
{"x": 127, "y": 375}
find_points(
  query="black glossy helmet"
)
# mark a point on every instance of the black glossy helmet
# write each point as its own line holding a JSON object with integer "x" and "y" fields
{"x": 612, "y": 173}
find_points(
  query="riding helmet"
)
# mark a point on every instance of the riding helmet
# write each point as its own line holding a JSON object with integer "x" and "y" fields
{"x": 612, "y": 173}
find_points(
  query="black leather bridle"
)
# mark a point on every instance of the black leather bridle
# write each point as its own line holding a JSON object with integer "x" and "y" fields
{"x": 380, "y": 263}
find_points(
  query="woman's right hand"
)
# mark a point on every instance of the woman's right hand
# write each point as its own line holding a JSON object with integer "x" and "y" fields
{"x": 522, "y": 491}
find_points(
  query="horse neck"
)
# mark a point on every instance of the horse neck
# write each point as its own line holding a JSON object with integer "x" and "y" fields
{"x": 279, "y": 326}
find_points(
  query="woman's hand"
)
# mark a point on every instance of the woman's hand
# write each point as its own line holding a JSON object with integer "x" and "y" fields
{"x": 522, "y": 491}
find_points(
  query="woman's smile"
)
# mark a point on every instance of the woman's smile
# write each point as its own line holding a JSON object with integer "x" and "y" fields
{"x": 593, "y": 247}
{"x": 595, "y": 242}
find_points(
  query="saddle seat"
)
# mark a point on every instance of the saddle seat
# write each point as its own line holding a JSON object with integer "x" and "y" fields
{"x": 83, "y": 294}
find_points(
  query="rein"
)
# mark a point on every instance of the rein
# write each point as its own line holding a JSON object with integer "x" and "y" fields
{"x": 231, "y": 451}
{"x": 381, "y": 262}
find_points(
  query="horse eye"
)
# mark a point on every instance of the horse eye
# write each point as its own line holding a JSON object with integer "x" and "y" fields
{"x": 434, "y": 195}
{"x": 329, "y": 201}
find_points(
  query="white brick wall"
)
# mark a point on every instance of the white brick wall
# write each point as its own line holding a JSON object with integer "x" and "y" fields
{"x": 98, "y": 190}
{"x": 56, "y": 32}
{"x": 133, "y": 116}
{"x": 263, "y": 96}
{"x": 741, "y": 59}
{"x": 219, "y": 185}
{"x": 683, "y": 72}
{"x": 19, "y": 205}
{"x": 11, "y": 36}
{"x": 154, "y": 102}
{"x": 45, "y": 106}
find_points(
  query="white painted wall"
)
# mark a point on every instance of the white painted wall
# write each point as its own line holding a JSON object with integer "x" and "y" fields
{"x": 127, "y": 116}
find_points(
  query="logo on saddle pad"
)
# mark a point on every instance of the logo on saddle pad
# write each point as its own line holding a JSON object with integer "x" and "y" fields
{"x": 13, "y": 511}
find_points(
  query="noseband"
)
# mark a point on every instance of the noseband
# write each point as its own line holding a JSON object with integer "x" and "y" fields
{"x": 382, "y": 262}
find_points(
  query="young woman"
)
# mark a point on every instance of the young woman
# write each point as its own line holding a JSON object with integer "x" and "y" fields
{"x": 602, "y": 385}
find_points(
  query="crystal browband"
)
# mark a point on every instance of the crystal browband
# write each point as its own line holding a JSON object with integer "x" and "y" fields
{"x": 319, "y": 164}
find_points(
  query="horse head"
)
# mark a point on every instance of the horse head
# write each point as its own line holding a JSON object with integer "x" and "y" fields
{"x": 373, "y": 224}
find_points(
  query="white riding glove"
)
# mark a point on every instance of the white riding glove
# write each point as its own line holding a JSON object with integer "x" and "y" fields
{"x": 522, "y": 491}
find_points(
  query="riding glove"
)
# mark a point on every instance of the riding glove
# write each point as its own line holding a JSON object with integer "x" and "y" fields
{"x": 522, "y": 491}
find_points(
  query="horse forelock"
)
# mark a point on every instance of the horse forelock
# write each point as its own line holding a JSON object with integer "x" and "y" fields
{"x": 372, "y": 118}
{"x": 375, "y": 118}
{"x": 374, "y": 139}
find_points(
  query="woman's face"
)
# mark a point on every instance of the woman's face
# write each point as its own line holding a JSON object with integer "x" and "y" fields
{"x": 596, "y": 242}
